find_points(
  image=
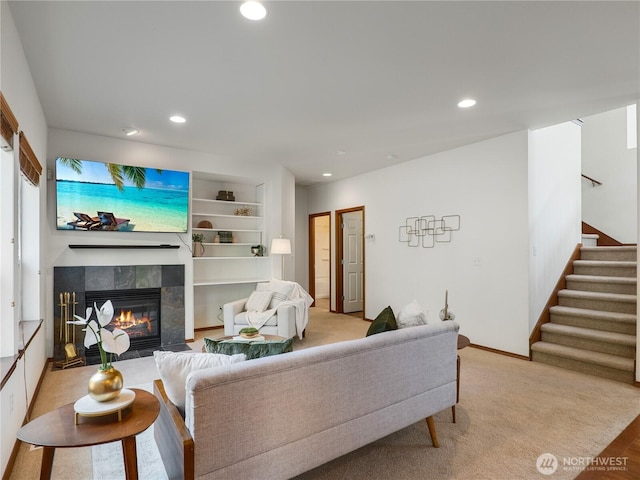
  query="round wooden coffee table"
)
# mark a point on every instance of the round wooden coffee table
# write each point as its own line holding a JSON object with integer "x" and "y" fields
{"x": 58, "y": 429}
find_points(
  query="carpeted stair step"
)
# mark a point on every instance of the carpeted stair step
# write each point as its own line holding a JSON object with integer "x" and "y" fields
{"x": 594, "y": 319}
{"x": 621, "y": 344}
{"x": 608, "y": 302}
{"x": 597, "y": 283}
{"x": 608, "y": 268}
{"x": 621, "y": 253}
{"x": 585, "y": 361}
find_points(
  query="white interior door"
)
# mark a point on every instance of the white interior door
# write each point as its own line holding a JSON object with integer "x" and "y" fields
{"x": 352, "y": 262}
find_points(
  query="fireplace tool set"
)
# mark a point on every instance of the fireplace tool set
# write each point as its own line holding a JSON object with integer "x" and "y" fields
{"x": 67, "y": 334}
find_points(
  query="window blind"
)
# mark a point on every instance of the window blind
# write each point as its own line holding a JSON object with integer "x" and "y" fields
{"x": 29, "y": 164}
{"x": 8, "y": 122}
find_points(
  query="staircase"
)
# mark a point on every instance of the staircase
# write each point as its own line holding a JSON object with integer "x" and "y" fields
{"x": 593, "y": 329}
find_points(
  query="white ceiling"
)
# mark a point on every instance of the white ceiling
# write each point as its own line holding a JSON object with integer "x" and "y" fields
{"x": 370, "y": 78}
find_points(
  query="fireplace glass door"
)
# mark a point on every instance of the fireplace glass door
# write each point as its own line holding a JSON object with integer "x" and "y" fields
{"x": 137, "y": 312}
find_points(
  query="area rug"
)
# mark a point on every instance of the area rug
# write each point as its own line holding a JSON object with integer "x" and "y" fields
{"x": 511, "y": 414}
{"x": 108, "y": 461}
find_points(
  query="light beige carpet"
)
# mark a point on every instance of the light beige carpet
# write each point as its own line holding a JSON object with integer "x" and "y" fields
{"x": 510, "y": 412}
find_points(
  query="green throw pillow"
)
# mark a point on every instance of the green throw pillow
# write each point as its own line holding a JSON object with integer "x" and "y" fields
{"x": 384, "y": 322}
{"x": 250, "y": 349}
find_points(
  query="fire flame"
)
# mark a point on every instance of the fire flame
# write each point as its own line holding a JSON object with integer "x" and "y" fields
{"x": 128, "y": 320}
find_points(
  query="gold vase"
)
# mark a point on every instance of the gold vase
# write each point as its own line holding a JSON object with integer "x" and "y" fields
{"x": 105, "y": 385}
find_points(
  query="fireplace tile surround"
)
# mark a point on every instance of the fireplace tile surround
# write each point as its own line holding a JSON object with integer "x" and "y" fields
{"x": 80, "y": 279}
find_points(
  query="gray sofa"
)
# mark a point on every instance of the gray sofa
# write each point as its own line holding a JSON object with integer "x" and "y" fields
{"x": 279, "y": 416}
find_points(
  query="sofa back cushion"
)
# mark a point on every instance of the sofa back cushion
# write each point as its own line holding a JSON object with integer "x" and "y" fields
{"x": 175, "y": 367}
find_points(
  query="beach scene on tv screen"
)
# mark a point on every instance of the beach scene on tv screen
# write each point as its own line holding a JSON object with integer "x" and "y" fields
{"x": 99, "y": 196}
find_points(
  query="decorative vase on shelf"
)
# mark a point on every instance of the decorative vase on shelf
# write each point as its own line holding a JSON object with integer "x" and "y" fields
{"x": 105, "y": 385}
{"x": 198, "y": 249}
{"x": 446, "y": 313}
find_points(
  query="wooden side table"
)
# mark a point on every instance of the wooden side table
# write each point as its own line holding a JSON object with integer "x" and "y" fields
{"x": 462, "y": 343}
{"x": 57, "y": 429}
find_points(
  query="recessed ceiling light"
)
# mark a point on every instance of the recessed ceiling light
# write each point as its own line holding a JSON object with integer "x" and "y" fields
{"x": 128, "y": 131}
{"x": 327, "y": 174}
{"x": 466, "y": 103}
{"x": 177, "y": 119}
{"x": 340, "y": 152}
{"x": 391, "y": 156}
{"x": 253, "y": 10}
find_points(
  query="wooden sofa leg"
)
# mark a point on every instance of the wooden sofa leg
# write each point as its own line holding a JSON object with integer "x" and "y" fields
{"x": 432, "y": 432}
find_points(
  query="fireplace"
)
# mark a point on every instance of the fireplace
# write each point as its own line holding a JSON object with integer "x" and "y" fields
{"x": 153, "y": 293}
{"x": 135, "y": 311}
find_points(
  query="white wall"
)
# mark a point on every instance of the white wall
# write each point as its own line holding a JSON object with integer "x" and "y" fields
{"x": 485, "y": 267}
{"x": 612, "y": 206}
{"x": 554, "y": 208}
{"x": 287, "y": 196}
{"x": 18, "y": 88}
{"x": 19, "y": 91}
{"x": 301, "y": 246}
{"x": 17, "y": 394}
{"x": 638, "y": 253}
{"x": 322, "y": 258}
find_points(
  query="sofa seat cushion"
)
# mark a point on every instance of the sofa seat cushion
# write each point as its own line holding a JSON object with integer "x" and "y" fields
{"x": 241, "y": 319}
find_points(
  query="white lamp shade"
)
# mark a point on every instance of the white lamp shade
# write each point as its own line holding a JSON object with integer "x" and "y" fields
{"x": 281, "y": 246}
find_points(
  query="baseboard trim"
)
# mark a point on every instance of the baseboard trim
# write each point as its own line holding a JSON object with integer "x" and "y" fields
{"x": 499, "y": 352}
{"x": 204, "y": 329}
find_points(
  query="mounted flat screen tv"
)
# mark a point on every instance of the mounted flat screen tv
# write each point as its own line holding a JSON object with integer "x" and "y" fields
{"x": 99, "y": 196}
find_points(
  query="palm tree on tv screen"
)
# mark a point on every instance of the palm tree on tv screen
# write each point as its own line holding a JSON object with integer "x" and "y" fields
{"x": 138, "y": 175}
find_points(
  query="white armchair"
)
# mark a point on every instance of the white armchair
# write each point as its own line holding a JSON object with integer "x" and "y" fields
{"x": 288, "y": 302}
{"x": 283, "y": 323}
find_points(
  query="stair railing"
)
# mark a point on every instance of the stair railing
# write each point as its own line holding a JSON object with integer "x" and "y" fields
{"x": 593, "y": 181}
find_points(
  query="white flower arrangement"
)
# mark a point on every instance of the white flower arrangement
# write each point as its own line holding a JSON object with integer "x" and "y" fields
{"x": 116, "y": 341}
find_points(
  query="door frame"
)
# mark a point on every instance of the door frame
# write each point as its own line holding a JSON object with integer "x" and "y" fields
{"x": 312, "y": 255}
{"x": 339, "y": 293}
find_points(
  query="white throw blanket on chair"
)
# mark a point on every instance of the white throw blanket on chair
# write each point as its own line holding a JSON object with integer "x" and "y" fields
{"x": 301, "y": 301}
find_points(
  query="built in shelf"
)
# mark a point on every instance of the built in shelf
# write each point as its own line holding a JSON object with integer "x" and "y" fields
{"x": 246, "y": 257}
{"x": 234, "y": 202}
{"x": 162, "y": 245}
